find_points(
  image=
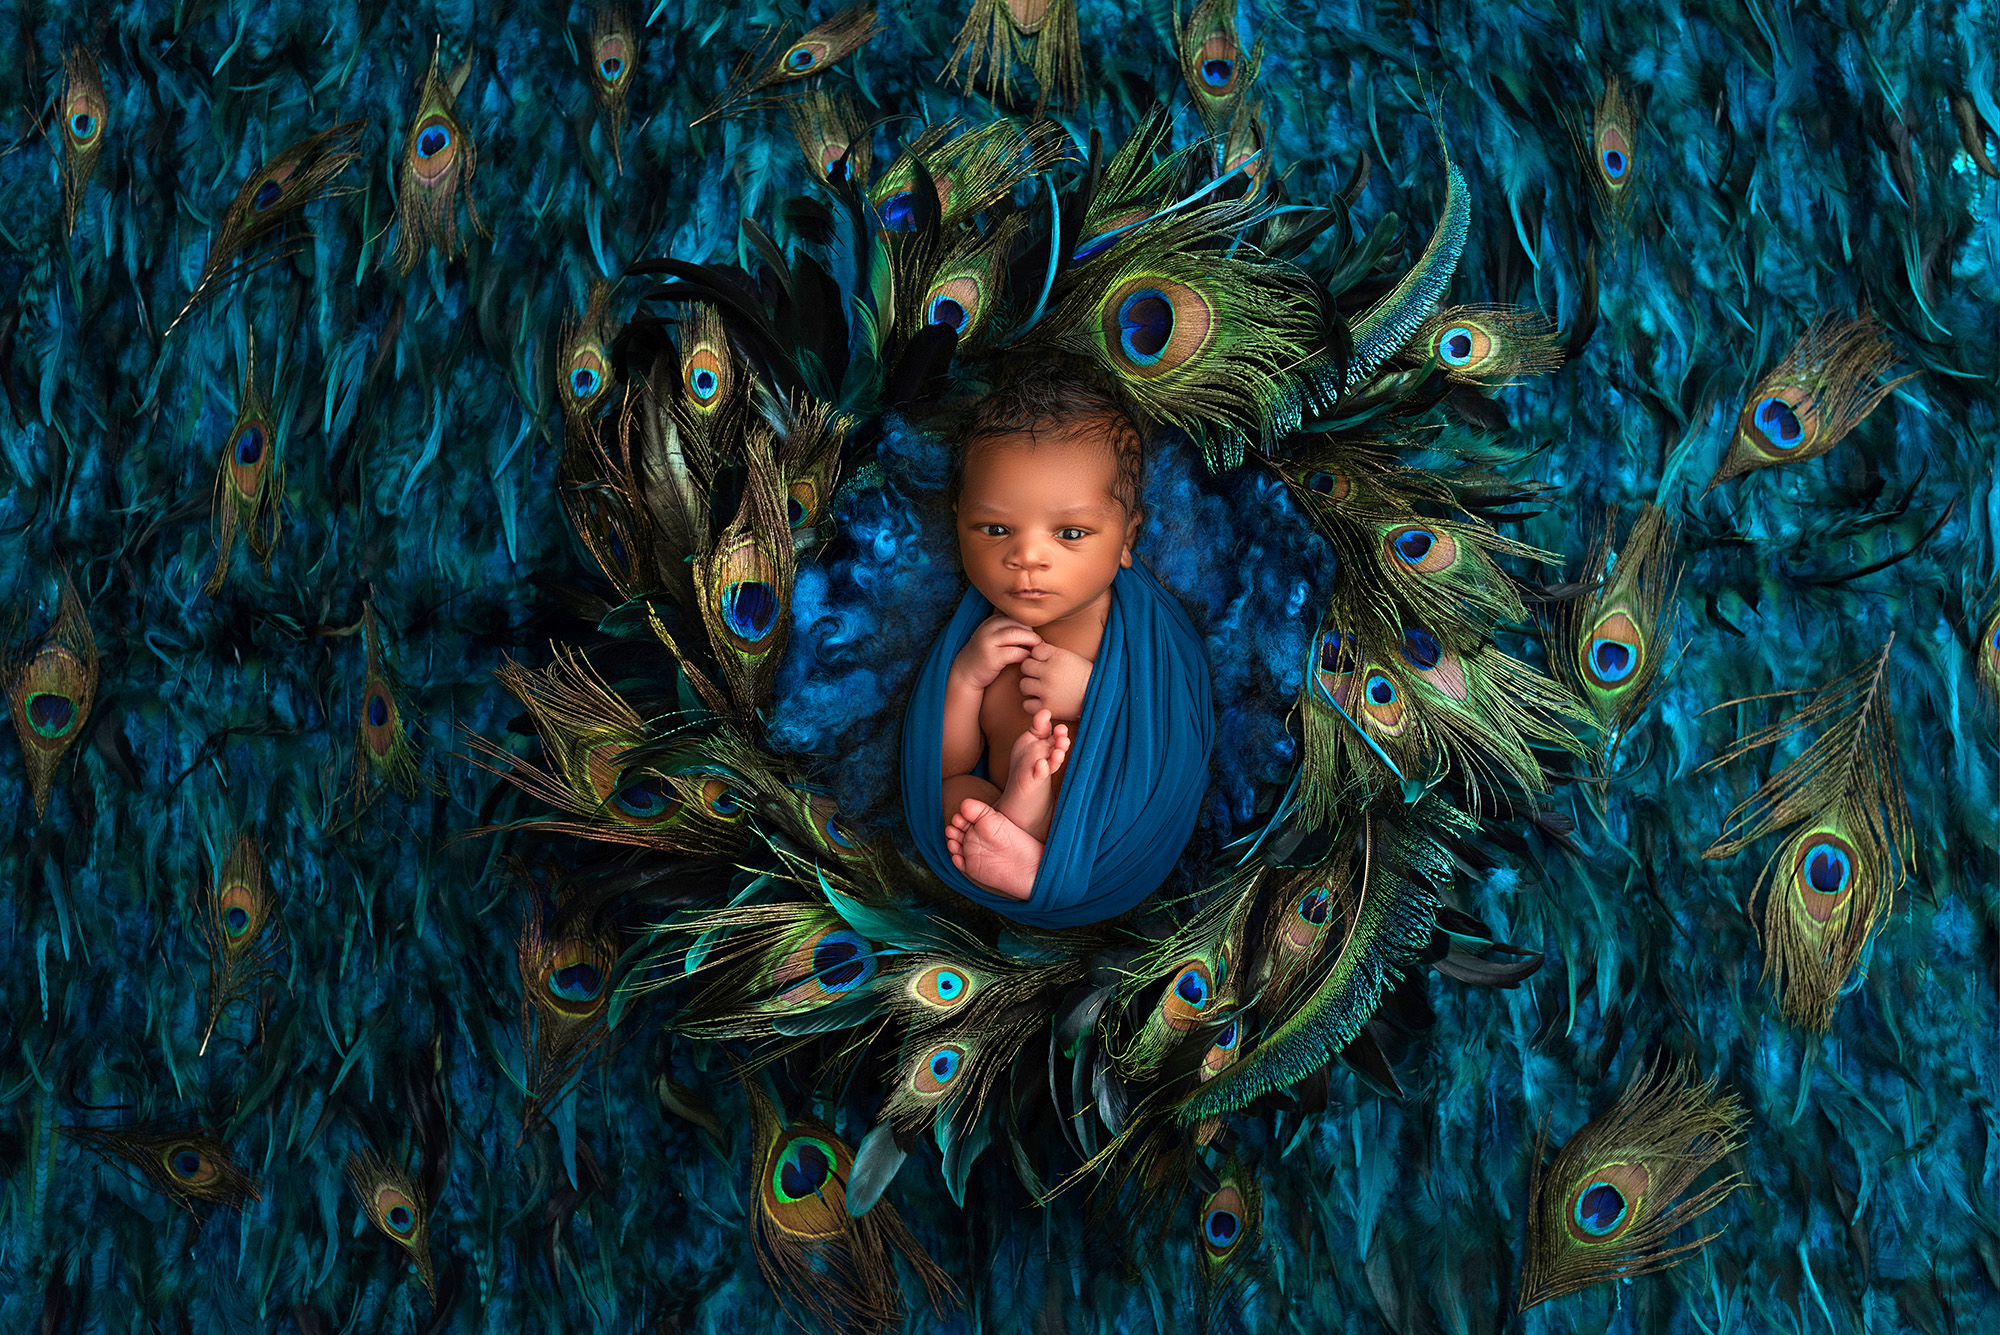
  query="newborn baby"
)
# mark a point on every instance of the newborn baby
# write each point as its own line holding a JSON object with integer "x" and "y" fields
{"x": 1046, "y": 517}
{"x": 1056, "y": 740}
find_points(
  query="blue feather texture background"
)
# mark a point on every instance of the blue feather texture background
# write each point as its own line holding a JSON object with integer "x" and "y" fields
{"x": 1787, "y": 161}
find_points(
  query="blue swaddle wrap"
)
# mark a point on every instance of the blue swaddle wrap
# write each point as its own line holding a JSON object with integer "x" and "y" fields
{"x": 1133, "y": 782}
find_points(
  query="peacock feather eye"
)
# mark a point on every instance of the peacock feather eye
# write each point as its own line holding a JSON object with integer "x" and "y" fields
{"x": 586, "y": 379}
{"x": 898, "y": 212}
{"x": 1329, "y": 484}
{"x": 745, "y": 586}
{"x": 190, "y": 1165}
{"x": 934, "y": 1070}
{"x": 1614, "y": 652}
{"x": 1780, "y": 421}
{"x": 613, "y": 59}
{"x": 614, "y": 50}
{"x": 1187, "y": 996}
{"x": 53, "y": 713}
{"x": 439, "y": 161}
{"x": 955, "y": 303}
{"x": 1605, "y": 1204}
{"x": 398, "y": 1213}
{"x": 378, "y": 718}
{"x": 804, "y": 57}
{"x": 1612, "y": 162}
{"x": 1222, "y": 1223}
{"x": 1825, "y": 386}
{"x": 1463, "y": 345}
{"x": 85, "y": 112}
{"x": 242, "y": 914}
{"x": 270, "y": 190}
{"x": 1421, "y": 649}
{"x": 641, "y": 798}
{"x": 721, "y": 798}
{"x": 803, "y": 1186}
{"x": 705, "y": 375}
{"x": 1605, "y": 1208}
{"x": 942, "y": 987}
{"x": 823, "y": 816}
{"x": 84, "y": 122}
{"x": 574, "y": 976}
{"x": 1421, "y": 549}
{"x": 249, "y": 458}
{"x": 826, "y": 964}
{"x": 434, "y": 146}
{"x": 1222, "y": 1053}
{"x": 1823, "y": 870}
{"x": 1153, "y": 326}
{"x": 802, "y": 504}
{"x": 1307, "y": 917}
{"x": 1614, "y": 156}
{"x": 1218, "y": 61}
{"x": 1335, "y": 661}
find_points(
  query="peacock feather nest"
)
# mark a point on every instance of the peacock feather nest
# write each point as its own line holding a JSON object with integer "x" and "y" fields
{"x": 491, "y": 905}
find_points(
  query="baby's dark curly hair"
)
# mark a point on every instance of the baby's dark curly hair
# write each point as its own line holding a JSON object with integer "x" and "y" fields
{"x": 1040, "y": 395}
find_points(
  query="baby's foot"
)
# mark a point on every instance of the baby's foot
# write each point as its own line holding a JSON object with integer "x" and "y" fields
{"x": 993, "y": 850}
{"x": 1029, "y": 798}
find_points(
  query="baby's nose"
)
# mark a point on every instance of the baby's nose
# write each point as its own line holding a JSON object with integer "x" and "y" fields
{"x": 1030, "y": 552}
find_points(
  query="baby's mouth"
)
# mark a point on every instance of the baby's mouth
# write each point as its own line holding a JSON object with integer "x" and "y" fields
{"x": 1030, "y": 593}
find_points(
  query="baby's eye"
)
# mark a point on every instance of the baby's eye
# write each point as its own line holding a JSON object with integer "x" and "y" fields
{"x": 993, "y": 530}
{"x": 1071, "y": 534}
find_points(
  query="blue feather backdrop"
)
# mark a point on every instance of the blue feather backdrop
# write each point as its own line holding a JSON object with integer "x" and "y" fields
{"x": 1788, "y": 162}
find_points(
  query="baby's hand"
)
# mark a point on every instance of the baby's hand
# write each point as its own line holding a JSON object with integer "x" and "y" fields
{"x": 1054, "y": 679}
{"x": 999, "y": 641}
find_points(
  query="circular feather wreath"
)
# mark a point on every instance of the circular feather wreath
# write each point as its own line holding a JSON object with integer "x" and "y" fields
{"x": 756, "y": 464}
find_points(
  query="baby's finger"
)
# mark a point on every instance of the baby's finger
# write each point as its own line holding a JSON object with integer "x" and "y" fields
{"x": 1044, "y": 651}
{"x": 1032, "y": 667}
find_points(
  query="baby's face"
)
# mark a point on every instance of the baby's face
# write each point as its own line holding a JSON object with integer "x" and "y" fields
{"x": 1040, "y": 527}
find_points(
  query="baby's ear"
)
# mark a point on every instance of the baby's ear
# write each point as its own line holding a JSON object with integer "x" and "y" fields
{"x": 1131, "y": 536}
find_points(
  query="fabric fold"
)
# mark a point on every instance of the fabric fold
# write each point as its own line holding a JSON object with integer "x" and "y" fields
{"x": 1134, "y": 780}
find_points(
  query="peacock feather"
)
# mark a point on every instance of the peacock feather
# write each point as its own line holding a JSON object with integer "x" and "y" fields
{"x": 1490, "y": 345}
{"x": 261, "y": 225}
{"x": 833, "y": 1270}
{"x": 566, "y": 985}
{"x": 242, "y": 930}
{"x": 250, "y": 484}
{"x": 382, "y": 747}
{"x": 1847, "y": 843}
{"x": 1212, "y": 59}
{"x": 777, "y": 62}
{"x": 1609, "y": 1203}
{"x": 614, "y": 55}
{"x": 439, "y": 160}
{"x": 190, "y": 1165}
{"x": 50, "y": 690}
{"x": 1808, "y": 403}
{"x": 85, "y": 118}
{"x": 999, "y": 34}
{"x": 583, "y": 366}
{"x": 1613, "y": 643}
{"x": 396, "y": 1208}
{"x": 1610, "y": 152}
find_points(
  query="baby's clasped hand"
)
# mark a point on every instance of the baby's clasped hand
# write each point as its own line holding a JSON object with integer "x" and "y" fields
{"x": 999, "y": 642}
